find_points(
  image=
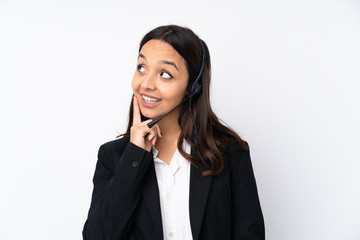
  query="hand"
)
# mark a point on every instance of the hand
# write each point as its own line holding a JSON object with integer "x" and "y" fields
{"x": 139, "y": 129}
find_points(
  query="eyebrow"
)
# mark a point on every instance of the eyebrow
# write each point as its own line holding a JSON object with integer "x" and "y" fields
{"x": 162, "y": 61}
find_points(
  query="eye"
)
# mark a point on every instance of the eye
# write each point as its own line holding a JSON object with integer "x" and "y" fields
{"x": 166, "y": 75}
{"x": 140, "y": 68}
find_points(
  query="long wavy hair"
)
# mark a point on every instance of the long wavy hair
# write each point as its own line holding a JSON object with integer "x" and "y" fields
{"x": 213, "y": 136}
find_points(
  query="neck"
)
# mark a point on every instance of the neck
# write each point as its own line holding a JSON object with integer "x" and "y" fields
{"x": 169, "y": 127}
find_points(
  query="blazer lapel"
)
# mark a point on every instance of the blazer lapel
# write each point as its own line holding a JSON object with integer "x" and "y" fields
{"x": 199, "y": 189}
{"x": 151, "y": 197}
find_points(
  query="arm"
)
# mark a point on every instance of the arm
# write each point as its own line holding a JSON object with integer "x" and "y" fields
{"x": 247, "y": 221}
{"x": 116, "y": 193}
{"x": 117, "y": 187}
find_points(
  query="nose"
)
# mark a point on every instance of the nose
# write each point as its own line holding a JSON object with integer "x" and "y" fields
{"x": 149, "y": 82}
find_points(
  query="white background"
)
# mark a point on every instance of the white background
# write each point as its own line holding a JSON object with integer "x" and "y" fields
{"x": 285, "y": 76}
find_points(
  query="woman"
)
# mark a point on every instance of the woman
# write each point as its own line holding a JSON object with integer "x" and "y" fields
{"x": 186, "y": 177}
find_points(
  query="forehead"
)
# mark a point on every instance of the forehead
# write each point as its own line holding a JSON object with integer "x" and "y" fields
{"x": 159, "y": 50}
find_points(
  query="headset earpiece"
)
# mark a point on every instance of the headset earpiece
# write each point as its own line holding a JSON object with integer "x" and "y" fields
{"x": 195, "y": 89}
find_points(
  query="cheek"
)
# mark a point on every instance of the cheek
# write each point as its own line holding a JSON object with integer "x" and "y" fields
{"x": 174, "y": 93}
{"x": 134, "y": 84}
{"x": 182, "y": 92}
{"x": 183, "y": 88}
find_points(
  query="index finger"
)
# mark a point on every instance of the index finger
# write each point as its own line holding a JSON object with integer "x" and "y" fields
{"x": 136, "y": 112}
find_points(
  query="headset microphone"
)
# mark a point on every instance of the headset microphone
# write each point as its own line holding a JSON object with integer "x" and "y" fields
{"x": 195, "y": 89}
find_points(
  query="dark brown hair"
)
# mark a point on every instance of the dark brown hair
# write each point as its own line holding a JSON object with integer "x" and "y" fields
{"x": 213, "y": 136}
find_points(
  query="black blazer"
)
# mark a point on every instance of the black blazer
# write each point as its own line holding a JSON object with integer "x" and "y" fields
{"x": 125, "y": 201}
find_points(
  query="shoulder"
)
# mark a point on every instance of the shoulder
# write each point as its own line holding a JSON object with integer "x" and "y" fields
{"x": 236, "y": 156}
{"x": 110, "y": 152}
{"x": 234, "y": 150}
{"x": 115, "y": 145}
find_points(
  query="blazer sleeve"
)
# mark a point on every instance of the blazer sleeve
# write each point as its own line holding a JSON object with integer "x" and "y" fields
{"x": 247, "y": 220}
{"x": 116, "y": 193}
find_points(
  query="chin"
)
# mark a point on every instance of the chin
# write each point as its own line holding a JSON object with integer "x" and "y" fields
{"x": 150, "y": 114}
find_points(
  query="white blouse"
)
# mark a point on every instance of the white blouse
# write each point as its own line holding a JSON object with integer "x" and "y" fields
{"x": 174, "y": 186}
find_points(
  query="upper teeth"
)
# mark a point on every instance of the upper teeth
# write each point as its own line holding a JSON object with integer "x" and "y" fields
{"x": 150, "y": 100}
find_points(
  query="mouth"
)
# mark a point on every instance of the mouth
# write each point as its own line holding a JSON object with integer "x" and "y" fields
{"x": 150, "y": 99}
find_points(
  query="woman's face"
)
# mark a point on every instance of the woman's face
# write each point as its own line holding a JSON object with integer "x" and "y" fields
{"x": 160, "y": 80}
